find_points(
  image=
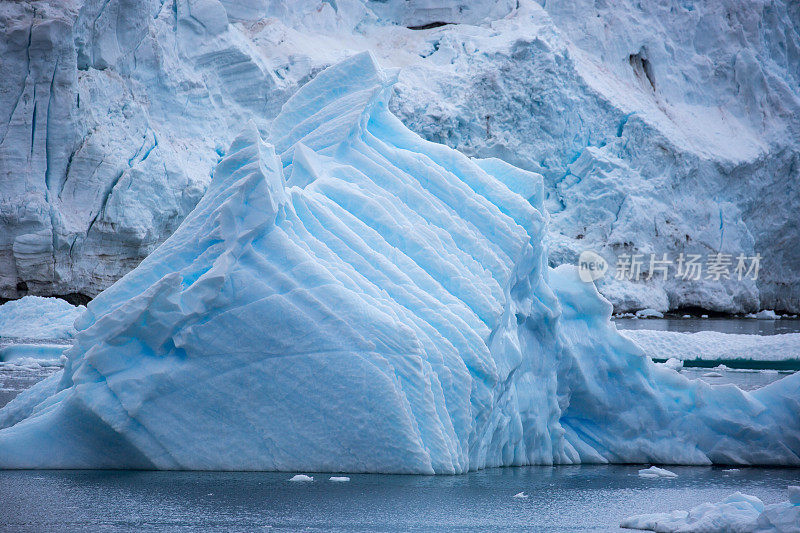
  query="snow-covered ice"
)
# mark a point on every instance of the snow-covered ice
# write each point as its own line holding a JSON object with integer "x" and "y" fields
{"x": 659, "y": 127}
{"x": 349, "y": 297}
{"x": 301, "y": 477}
{"x": 738, "y": 513}
{"x": 656, "y": 472}
{"x": 649, "y": 313}
{"x": 673, "y": 363}
{"x": 715, "y": 346}
{"x": 34, "y": 317}
{"x": 765, "y": 314}
{"x": 339, "y": 479}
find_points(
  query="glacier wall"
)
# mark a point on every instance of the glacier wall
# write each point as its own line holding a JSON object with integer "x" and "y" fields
{"x": 351, "y": 297}
{"x": 666, "y": 127}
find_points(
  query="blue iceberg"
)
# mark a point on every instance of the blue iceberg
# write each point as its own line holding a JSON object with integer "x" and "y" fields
{"x": 350, "y": 297}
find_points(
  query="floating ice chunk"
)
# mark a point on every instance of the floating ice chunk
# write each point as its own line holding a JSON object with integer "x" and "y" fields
{"x": 339, "y": 479}
{"x": 654, "y": 472}
{"x": 649, "y": 313}
{"x": 712, "y": 375}
{"x": 520, "y": 495}
{"x": 47, "y": 352}
{"x": 715, "y": 346}
{"x": 301, "y": 477}
{"x": 766, "y": 314}
{"x": 390, "y": 310}
{"x": 674, "y": 364}
{"x": 738, "y": 513}
{"x": 34, "y": 317}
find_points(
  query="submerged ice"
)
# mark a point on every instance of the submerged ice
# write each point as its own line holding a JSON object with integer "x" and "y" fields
{"x": 350, "y": 297}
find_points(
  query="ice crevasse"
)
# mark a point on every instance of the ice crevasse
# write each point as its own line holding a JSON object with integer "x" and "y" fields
{"x": 351, "y": 297}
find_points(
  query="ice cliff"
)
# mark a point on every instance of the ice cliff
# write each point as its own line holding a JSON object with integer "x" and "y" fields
{"x": 351, "y": 297}
{"x": 659, "y": 127}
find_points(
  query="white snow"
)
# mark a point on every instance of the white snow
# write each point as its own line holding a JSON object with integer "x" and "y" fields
{"x": 659, "y": 127}
{"x": 301, "y": 477}
{"x": 349, "y": 297}
{"x": 34, "y": 317}
{"x": 656, "y": 472}
{"x": 738, "y": 513}
{"x": 714, "y": 346}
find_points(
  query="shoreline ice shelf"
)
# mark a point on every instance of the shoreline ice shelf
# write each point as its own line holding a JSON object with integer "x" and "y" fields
{"x": 350, "y": 297}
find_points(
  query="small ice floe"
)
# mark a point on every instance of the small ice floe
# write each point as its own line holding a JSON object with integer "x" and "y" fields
{"x": 703, "y": 316}
{"x": 654, "y": 472}
{"x": 766, "y": 314}
{"x": 731, "y": 470}
{"x": 520, "y": 495}
{"x": 712, "y": 375}
{"x": 737, "y": 512}
{"x": 687, "y": 316}
{"x": 302, "y": 477}
{"x": 794, "y": 494}
{"x": 674, "y": 363}
{"x": 649, "y": 313}
{"x": 339, "y": 479}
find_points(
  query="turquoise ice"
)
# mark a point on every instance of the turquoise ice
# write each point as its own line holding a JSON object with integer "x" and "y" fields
{"x": 350, "y": 297}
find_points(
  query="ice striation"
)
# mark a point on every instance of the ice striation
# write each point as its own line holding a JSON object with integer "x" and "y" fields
{"x": 349, "y": 297}
{"x": 661, "y": 127}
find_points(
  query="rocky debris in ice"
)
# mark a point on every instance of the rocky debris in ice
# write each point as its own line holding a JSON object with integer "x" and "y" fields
{"x": 349, "y": 297}
{"x": 766, "y": 314}
{"x": 35, "y": 317}
{"x": 646, "y": 120}
{"x": 715, "y": 346}
{"x": 739, "y": 513}
{"x": 301, "y": 477}
{"x": 655, "y": 472}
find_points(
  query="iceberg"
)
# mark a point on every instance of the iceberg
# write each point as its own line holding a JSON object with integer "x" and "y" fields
{"x": 716, "y": 346}
{"x": 738, "y": 512}
{"x": 348, "y": 297}
{"x": 34, "y": 317}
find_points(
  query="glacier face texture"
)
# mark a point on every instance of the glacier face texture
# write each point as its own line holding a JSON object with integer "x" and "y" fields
{"x": 664, "y": 127}
{"x": 351, "y": 297}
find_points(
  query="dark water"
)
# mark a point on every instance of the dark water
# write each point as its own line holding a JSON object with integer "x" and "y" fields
{"x": 582, "y": 498}
{"x": 746, "y": 326}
